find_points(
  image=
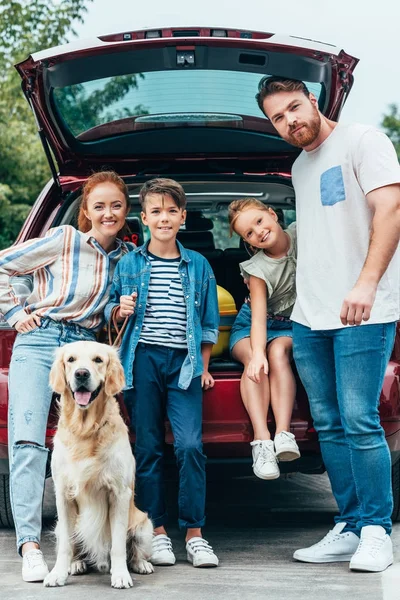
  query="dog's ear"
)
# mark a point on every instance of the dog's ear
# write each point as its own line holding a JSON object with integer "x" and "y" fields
{"x": 115, "y": 379}
{"x": 57, "y": 373}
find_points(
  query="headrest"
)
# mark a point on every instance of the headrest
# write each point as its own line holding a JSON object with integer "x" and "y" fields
{"x": 195, "y": 221}
{"x": 136, "y": 231}
{"x": 196, "y": 240}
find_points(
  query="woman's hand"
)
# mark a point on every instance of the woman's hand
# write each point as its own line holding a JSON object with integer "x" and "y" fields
{"x": 207, "y": 381}
{"x": 28, "y": 323}
{"x": 127, "y": 305}
{"x": 257, "y": 364}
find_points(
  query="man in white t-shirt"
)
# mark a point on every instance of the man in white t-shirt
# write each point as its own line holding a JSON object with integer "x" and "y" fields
{"x": 347, "y": 185}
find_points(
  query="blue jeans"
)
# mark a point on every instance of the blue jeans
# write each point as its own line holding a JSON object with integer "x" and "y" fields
{"x": 342, "y": 371}
{"x": 29, "y": 404}
{"x": 156, "y": 394}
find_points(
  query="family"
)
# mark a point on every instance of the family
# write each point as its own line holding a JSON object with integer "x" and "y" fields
{"x": 325, "y": 290}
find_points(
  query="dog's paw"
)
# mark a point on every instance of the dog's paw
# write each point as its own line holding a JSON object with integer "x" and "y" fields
{"x": 103, "y": 566}
{"x": 143, "y": 566}
{"x": 78, "y": 567}
{"x": 121, "y": 580}
{"x": 55, "y": 579}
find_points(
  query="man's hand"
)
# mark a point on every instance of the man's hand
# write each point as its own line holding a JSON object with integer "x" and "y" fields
{"x": 207, "y": 381}
{"x": 127, "y": 305}
{"x": 258, "y": 363}
{"x": 358, "y": 303}
{"x": 28, "y": 323}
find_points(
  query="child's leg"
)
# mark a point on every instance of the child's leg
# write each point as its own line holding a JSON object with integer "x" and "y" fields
{"x": 282, "y": 381}
{"x": 184, "y": 410}
{"x": 148, "y": 408}
{"x": 255, "y": 396}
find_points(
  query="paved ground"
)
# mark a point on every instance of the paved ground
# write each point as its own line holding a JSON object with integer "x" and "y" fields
{"x": 255, "y": 526}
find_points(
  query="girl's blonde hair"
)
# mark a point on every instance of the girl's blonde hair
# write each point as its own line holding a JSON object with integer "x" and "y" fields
{"x": 238, "y": 206}
{"x": 102, "y": 177}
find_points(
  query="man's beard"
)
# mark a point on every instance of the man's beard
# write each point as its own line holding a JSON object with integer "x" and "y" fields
{"x": 308, "y": 134}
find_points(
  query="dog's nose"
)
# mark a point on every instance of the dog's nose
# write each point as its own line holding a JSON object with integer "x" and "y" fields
{"x": 82, "y": 375}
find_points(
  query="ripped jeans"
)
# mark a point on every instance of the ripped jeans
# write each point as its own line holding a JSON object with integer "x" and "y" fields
{"x": 29, "y": 404}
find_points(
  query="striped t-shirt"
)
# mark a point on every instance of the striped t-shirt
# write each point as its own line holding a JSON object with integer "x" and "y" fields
{"x": 165, "y": 316}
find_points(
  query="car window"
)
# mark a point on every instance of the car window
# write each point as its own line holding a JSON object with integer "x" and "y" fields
{"x": 160, "y": 99}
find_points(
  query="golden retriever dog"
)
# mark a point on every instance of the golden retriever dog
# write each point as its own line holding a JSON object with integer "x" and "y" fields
{"x": 94, "y": 471}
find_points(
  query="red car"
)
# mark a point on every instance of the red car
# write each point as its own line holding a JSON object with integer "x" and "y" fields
{"x": 180, "y": 103}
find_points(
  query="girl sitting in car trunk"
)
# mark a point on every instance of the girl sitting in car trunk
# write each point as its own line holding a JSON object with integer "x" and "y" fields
{"x": 261, "y": 337}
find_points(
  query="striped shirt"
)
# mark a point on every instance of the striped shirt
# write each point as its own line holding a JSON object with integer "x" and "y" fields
{"x": 72, "y": 277}
{"x": 165, "y": 316}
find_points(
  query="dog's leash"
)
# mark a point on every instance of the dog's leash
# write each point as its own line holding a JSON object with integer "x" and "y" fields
{"x": 113, "y": 323}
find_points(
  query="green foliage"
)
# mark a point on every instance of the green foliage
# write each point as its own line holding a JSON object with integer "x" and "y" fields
{"x": 26, "y": 26}
{"x": 82, "y": 110}
{"x": 391, "y": 125}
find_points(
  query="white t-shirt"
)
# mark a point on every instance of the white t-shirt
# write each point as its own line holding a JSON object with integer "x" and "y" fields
{"x": 333, "y": 224}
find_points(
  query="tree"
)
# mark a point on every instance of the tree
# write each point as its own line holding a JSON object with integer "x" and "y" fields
{"x": 391, "y": 125}
{"x": 26, "y": 26}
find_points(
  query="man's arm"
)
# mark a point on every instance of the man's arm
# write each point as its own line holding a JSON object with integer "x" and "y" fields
{"x": 385, "y": 233}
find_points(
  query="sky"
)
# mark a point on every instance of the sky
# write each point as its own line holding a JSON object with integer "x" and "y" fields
{"x": 366, "y": 29}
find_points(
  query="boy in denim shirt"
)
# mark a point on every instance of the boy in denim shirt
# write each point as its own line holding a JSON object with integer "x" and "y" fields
{"x": 170, "y": 294}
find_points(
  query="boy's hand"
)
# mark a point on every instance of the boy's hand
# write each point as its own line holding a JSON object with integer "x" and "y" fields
{"x": 207, "y": 381}
{"x": 127, "y": 305}
{"x": 28, "y": 323}
{"x": 257, "y": 363}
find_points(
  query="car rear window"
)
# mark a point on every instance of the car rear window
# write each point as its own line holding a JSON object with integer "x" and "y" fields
{"x": 159, "y": 99}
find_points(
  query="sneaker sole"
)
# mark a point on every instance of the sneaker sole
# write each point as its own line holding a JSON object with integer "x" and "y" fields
{"x": 206, "y": 565}
{"x": 163, "y": 564}
{"x": 287, "y": 455}
{"x": 268, "y": 478}
{"x": 34, "y": 578}
{"x": 366, "y": 569}
{"x": 328, "y": 559}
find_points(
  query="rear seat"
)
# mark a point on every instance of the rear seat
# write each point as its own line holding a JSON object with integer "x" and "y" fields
{"x": 198, "y": 236}
{"x": 234, "y": 280}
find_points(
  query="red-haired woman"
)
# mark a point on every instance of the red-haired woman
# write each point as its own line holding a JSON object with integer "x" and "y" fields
{"x": 72, "y": 273}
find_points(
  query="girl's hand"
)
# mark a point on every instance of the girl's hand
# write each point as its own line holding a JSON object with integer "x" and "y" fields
{"x": 28, "y": 323}
{"x": 258, "y": 363}
{"x": 207, "y": 381}
{"x": 127, "y": 305}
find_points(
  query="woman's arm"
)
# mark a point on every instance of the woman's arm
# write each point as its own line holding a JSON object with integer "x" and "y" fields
{"x": 258, "y": 332}
{"x": 22, "y": 259}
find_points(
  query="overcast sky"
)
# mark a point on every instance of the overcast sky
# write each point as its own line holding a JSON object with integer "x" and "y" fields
{"x": 367, "y": 29}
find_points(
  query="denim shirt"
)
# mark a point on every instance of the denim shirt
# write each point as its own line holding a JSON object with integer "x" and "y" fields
{"x": 132, "y": 274}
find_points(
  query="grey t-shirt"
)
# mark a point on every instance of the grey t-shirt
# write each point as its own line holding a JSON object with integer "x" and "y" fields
{"x": 279, "y": 275}
{"x": 334, "y": 221}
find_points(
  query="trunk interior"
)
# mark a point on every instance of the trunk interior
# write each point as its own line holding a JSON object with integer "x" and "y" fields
{"x": 206, "y": 229}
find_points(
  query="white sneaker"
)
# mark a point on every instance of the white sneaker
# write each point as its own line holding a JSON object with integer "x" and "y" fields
{"x": 265, "y": 465}
{"x": 375, "y": 550}
{"x": 334, "y": 547}
{"x": 285, "y": 446}
{"x": 162, "y": 553}
{"x": 34, "y": 567}
{"x": 200, "y": 553}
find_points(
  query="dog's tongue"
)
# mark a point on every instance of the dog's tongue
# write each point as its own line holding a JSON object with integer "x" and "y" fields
{"x": 82, "y": 398}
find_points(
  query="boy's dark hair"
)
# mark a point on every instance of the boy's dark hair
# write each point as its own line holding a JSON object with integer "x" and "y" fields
{"x": 273, "y": 85}
{"x": 163, "y": 186}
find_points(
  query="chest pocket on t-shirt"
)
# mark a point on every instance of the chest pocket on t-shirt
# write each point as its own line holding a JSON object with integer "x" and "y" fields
{"x": 332, "y": 186}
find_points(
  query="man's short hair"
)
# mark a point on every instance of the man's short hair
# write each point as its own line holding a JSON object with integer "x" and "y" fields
{"x": 163, "y": 186}
{"x": 270, "y": 85}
